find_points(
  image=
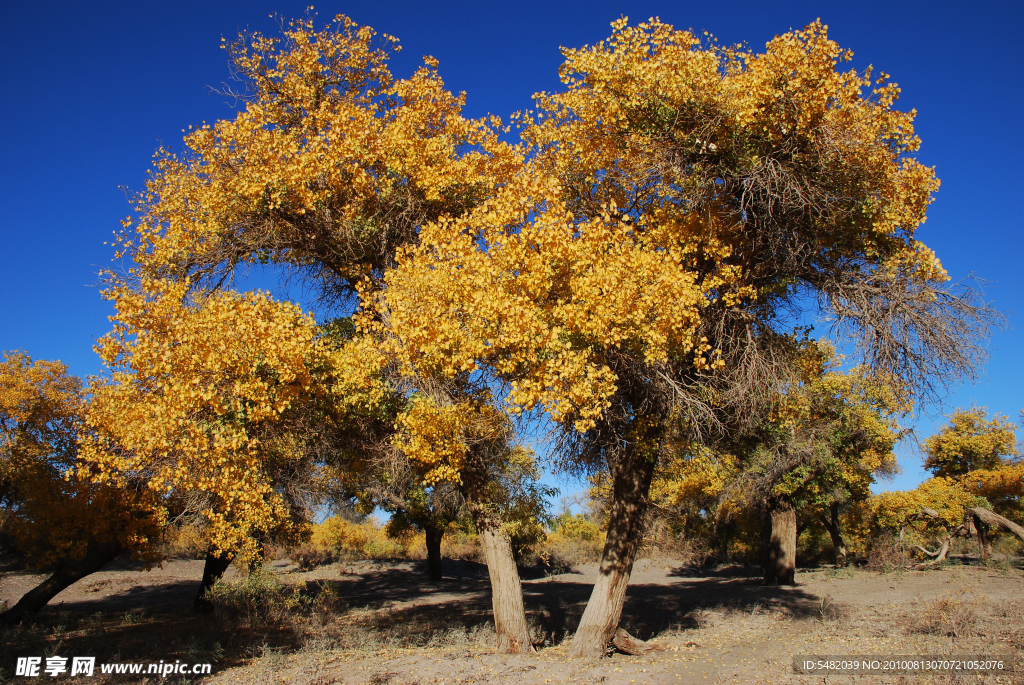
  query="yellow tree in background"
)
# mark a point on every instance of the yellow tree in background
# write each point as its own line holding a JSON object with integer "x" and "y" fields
{"x": 970, "y": 442}
{"x": 52, "y": 513}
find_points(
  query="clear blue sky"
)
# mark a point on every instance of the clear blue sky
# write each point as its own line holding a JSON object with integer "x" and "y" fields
{"x": 93, "y": 88}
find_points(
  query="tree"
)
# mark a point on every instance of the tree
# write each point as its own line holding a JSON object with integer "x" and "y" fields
{"x": 852, "y": 420}
{"x": 970, "y": 442}
{"x": 330, "y": 170}
{"x": 681, "y": 207}
{"x": 52, "y": 513}
{"x": 212, "y": 400}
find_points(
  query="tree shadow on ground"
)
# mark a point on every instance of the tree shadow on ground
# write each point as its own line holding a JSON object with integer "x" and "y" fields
{"x": 398, "y": 601}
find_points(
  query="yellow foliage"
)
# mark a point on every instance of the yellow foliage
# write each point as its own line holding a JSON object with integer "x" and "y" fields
{"x": 329, "y": 161}
{"x": 52, "y": 511}
{"x": 364, "y": 540}
{"x": 200, "y": 385}
{"x": 945, "y": 495}
{"x": 596, "y": 249}
{"x": 970, "y": 442}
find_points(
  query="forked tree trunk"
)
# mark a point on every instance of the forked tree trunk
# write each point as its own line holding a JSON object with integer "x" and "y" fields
{"x": 779, "y": 544}
{"x": 213, "y": 570}
{"x": 631, "y": 483}
{"x": 506, "y": 589}
{"x": 67, "y": 572}
{"x": 835, "y": 532}
{"x": 434, "y": 536}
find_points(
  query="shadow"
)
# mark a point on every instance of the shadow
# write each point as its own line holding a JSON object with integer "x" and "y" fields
{"x": 403, "y": 602}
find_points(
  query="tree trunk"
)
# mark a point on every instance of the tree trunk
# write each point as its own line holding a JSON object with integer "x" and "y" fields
{"x": 983, "y": 520}
{"x": 835, "y": 532}
{"x": 434, "y": 535}
{"x": 779, "y": 542}
{"x": 67, "y": 573}
{"x": 212, "y": 572}
{"x": 724, "y": 525}
{"x": 506, "y": 590}
{"x": 631, "y": 483}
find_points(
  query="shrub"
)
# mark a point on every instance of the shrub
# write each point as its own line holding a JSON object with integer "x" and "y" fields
{"x": 946, "y": 617}
{"x": 886, "y": 555}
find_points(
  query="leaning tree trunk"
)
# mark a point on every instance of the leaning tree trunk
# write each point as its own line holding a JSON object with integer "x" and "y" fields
{"x": 212, "y": 571}
{"x": 779, "y": 544}
{"x": 506, "y": 589}
{"x": 984, "y": 519}
{"x": 631, "y": 483}
{"x": 835, "y": 532}
{"x": 434, "y": 536}
{"x": 67, "y": 572}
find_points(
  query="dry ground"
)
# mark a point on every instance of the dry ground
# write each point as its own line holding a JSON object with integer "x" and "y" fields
{"x": 382, "y": 622}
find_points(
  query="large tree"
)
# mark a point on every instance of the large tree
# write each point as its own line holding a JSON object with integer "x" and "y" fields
{"x": 328, "y": 172}
{"x": 682, "y": 208}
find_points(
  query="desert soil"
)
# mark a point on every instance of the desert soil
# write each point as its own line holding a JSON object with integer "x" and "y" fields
{"x": 392, "y": 626}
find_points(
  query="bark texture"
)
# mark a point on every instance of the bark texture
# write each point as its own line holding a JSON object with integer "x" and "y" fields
{"x": 67, "y": 572}
{"x": 779, "y": 541}
{"x": 631, "y": 483}
{"x": 506, "y": 589}
{"x": 212, "y": 571}
{"x": 434, "y": 535}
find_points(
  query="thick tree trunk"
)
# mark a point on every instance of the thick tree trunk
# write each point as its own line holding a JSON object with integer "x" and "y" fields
{"x": 434, "y": 536}
{"x": 506, "y": 589}
{"x": 212, "y": 572}
{"x": 631, "y": 483}
{"x": 779, "y": 544}
{"x": 835, "y": 532}
{"x": 67, "y": 572}
{"x": 506, "y": 593}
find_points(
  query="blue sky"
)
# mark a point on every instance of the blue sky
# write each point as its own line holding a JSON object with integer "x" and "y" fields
{"x": 94, "y": 88}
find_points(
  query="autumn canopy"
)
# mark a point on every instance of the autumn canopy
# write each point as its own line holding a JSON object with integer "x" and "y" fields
{"x": 636, "y": 269}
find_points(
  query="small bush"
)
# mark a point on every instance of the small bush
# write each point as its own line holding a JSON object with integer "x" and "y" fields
{"x": 260, "y": 598}
{"x": 946, "y": 617}
{"x": 256, "y": 599}
{"x": 309, "y": 556}
{"x": 459, "y": 544}
{"x": 886, "y": 554}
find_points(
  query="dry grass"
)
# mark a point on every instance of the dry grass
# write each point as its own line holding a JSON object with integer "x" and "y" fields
{"x": 886, "y": 555}
{"x": 945, "y": 617}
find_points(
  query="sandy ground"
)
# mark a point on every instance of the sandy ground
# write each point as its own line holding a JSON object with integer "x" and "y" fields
{"x": 712, "y": 627}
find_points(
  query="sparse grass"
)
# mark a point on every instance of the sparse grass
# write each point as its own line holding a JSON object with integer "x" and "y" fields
{"x": 303, "y": 633}
{"x": 945, "y": 617}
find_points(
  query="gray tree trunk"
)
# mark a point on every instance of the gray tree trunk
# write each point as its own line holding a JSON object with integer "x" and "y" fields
{"x": 631, "y": 483}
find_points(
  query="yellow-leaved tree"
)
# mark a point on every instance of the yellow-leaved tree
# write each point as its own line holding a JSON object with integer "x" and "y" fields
{"x": 680, "y": 207}
{"x": 211, "y": 400}
{"x": 52, "y": 513}
{"x": 331, "y": 167}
